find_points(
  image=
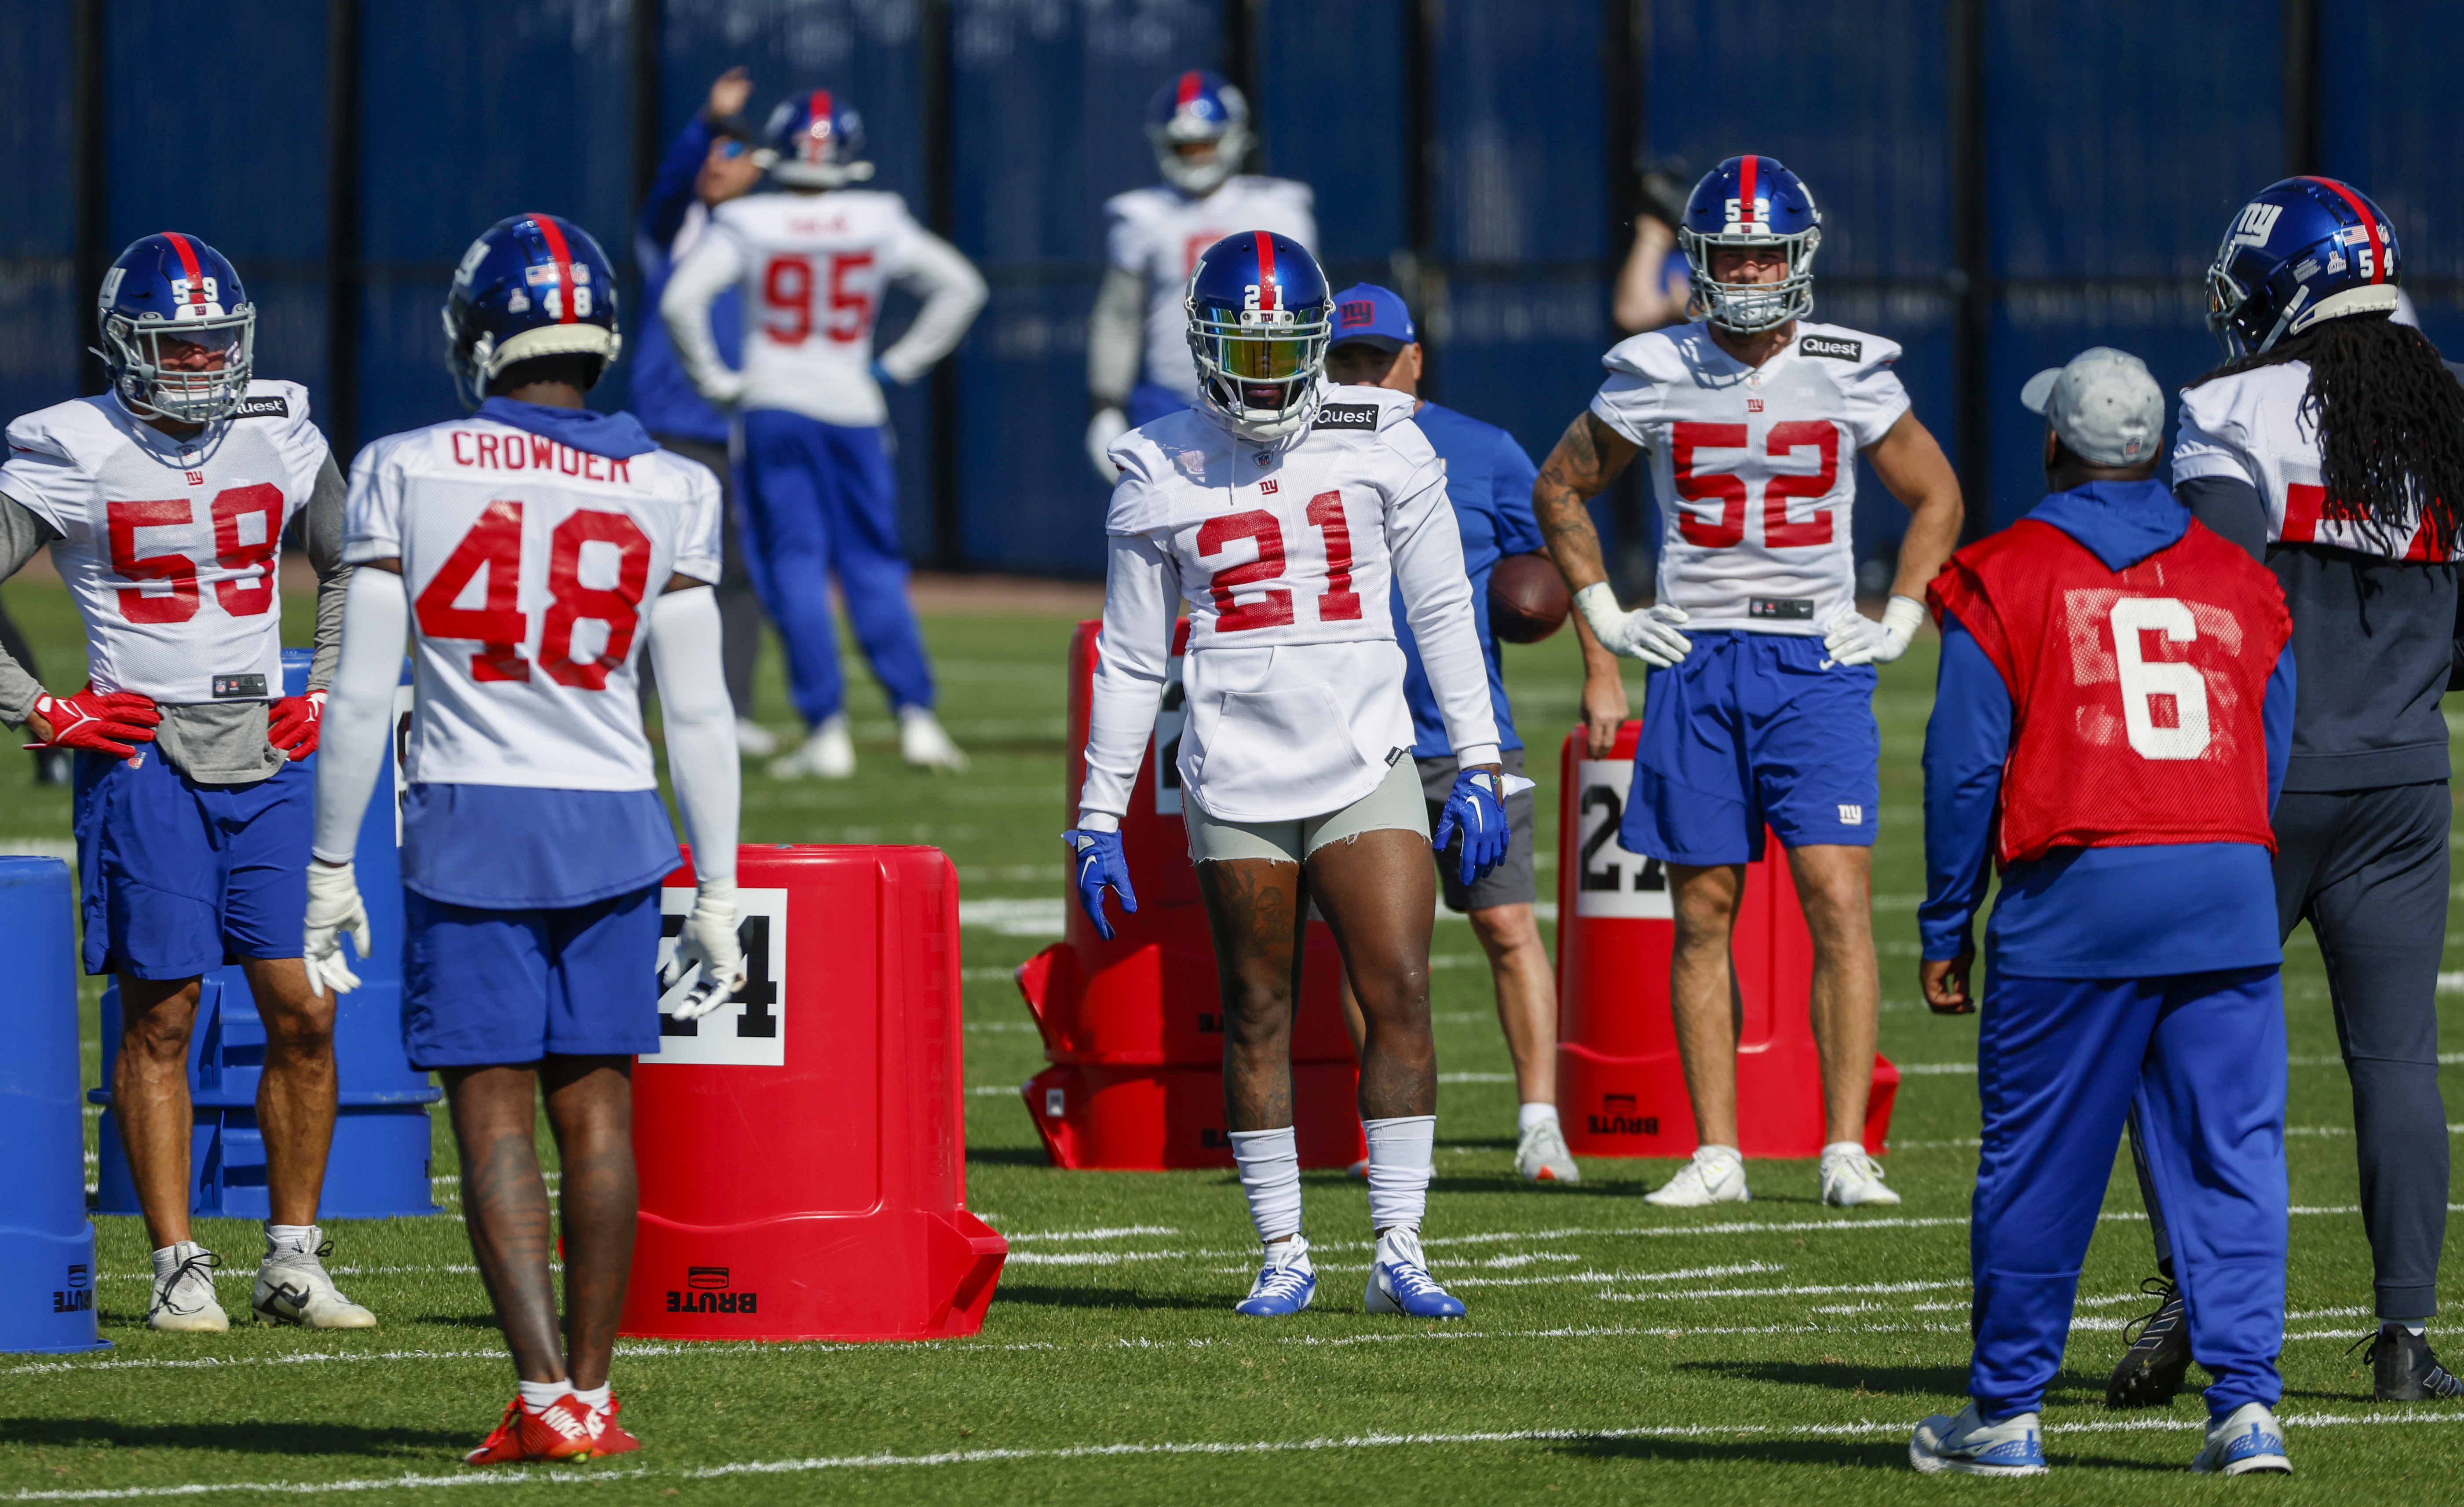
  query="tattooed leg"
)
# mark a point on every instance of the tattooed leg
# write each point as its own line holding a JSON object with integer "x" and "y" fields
{"x": 504, "y": 1206}
{"x": 1255, "y": 911}
{"x": 590, "y": 1108}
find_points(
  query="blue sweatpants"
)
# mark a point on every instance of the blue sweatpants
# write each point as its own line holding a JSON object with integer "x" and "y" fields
{"x": 2059, "y": 1063}
{"x": 822, "y": 501}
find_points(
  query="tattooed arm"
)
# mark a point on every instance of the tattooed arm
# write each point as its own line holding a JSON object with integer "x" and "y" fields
{"x": 1589, "y": 457}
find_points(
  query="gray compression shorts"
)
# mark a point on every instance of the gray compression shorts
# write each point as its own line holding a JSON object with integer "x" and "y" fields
{"x": 1395, "y": 803}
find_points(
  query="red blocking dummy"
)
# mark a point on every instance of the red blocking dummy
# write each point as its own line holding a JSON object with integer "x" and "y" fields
{"x": 1620, "y": 1088}
{"x": 802, "y": 1150}
{"x": 1135, "y": 1025}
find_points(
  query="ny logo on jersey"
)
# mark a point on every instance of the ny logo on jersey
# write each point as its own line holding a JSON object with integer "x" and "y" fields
{"x": 2257, "y": 223}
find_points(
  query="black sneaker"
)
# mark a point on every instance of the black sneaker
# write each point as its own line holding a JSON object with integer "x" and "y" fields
{"x": 2407, "y": 1370}
{"x": 2151, "y": 1370}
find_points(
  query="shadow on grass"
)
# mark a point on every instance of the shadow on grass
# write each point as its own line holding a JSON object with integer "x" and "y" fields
{"x": 1105, "y": 1297}
{"x": 1009, "y": 1156}
{"x": 293, "y": 1436}
{"x": 1857, "y": 1377}
{"x": 1877, "y": 1452}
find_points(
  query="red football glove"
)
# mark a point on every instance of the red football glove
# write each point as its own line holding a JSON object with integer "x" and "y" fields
{"x": 295, "y": 724}
{"x": 102, "y": 721}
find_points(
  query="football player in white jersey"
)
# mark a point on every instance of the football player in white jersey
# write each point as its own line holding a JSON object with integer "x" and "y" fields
{"x": 530, "y": 553}
{"x": 1286, "y": 511}
{"x": 1138, "y": 339}
{"x": 164, "y": 503}
{"x": 1759, "y": 708}
{"x": 821, "y": 496}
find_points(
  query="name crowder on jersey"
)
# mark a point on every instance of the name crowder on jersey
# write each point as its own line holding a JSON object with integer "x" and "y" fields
{"x": 536, "y": 453}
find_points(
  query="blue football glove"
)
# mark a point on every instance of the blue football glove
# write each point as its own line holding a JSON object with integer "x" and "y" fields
{"x": 1100, "y": 864}
{"x": 1476, "y": 810}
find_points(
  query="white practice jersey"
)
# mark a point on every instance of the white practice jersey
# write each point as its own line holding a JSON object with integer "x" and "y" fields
{"x": 1158, "y": 232}
{"x": 531, "y": 569}
{"x": 1288, "y": 552}
{"x": 2248, "y": 428}
{"x": 170, "y": 546}
{"x": 814, "y": 268}
{"x": 1755, "y": 468}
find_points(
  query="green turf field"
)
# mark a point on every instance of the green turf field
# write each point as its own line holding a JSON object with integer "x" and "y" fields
{"x": 1613, "y": 1352}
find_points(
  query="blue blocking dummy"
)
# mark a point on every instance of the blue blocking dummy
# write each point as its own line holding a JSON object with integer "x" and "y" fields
{"x": 46, "y": 1244}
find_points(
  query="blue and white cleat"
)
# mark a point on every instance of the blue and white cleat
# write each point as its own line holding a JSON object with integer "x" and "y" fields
{"x": 1285, "y": 1284}
{"x": 1969, "y": 1446}
{"x": 2247, "y": 1439}
{"x": 1399, "y": 1283}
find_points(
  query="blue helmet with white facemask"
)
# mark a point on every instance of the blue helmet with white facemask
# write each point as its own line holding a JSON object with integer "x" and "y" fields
{"x": 1260, "y": 319}
{"x": 532, "y": 285}
{"x": 179, "y": 336}
{"x": 1751, "y": 202}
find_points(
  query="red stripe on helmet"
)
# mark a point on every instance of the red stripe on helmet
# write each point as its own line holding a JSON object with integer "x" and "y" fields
{"x": 1269, "y": 297}
{"x": 188, "y": 265}
{"x": 2369, "y": 223}
{"x": 819, "y": 106}
{"x": 1746, "y": 189}
{"x": 1190, "y": 84}
{"x": 554, "y": 235}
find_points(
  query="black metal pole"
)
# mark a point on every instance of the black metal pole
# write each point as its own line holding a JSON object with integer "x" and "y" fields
{"x": 1625, "y": 61}
{"x": 1971, "y": 280}
{"x": 93, "y": 249}
{"x": 1422, "y": 284}
{"x": 648, "y": 29}
{"x": 940, "y": 212}
{"x": 2300, "y": 44}
{"x": 340, "y": 399}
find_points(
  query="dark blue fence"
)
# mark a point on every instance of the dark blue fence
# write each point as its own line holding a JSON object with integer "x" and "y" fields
{"x": 2004, "y": 182}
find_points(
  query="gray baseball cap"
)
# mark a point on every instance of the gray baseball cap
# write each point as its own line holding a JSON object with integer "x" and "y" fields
{"x": 2106, "y": 406}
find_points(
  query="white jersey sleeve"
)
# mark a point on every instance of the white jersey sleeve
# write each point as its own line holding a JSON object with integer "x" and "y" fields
{"x": 1426, "y": 542}
{"x": 2252, "y": 426}
{"x": 2212, "y": 439}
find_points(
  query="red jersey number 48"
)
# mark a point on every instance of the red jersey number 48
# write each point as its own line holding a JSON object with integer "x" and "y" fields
{"x": 493, "y": 550}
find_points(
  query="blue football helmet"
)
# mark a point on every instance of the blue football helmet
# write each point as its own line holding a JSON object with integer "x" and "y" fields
{"x": 2305, "y": 250}
{"x": 179, "y": 336}
{"x": 1260, "y": 318}
{"x": 532, "y": 285}
{"x": 815, "y": 139}
{"x": 1751, "y": 201}
{"x": 1196, "y": 108}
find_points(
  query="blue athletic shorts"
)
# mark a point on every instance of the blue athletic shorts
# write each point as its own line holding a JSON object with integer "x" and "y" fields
{"x": 1750, "y": 730}
{"x": 488, "y": 987}
{"x": 178, "y": 878}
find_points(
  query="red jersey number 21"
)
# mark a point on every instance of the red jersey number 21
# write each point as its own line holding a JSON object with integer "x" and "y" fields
{"x": 494, "y": 548}
{"x": 1339, "y": 603}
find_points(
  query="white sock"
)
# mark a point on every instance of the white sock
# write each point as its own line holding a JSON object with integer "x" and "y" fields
{"x": 2417, "y": 1326}
{"x": 290, "y": 1240}
{"x": 1402, "y": 1157}
{"x": 1402, "y": 1242}
{"x": 1711, "y": 1151}
{"x": 1293, "y": 1253}
{"x": 1844, "y": 1148}
{"x": 167, "y": 1259}
{"x": 595, "y": 1397}
{"x": 539, "y": 1396}
{"x": 1531, "y": 1115}
{"x": 1271, "y": 1179}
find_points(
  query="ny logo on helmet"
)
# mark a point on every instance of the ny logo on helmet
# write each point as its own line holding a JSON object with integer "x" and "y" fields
{"x": 2257, "y": 223}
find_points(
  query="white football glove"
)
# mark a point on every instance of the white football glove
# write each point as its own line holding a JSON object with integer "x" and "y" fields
{"x": 334, "y": 909}
{"x": 708, "y": 943}
{"x": 1106, "y": 427}
{"x": 1852, "y": 639}
{"x": 725, "y": 389}
{"x": 1649, "y": 636}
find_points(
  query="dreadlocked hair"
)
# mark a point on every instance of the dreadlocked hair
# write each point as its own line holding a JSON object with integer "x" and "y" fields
{"x": 2390, "y": 419}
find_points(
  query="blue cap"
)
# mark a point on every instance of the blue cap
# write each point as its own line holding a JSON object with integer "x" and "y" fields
{"x": 1372, "y": 315}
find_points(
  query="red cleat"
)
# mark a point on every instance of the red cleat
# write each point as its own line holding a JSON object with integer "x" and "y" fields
{"x": 561, "y": 1432}
{"x": 608, "y": 1436}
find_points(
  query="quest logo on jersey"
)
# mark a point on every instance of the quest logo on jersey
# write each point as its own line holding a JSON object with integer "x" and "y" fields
{"x": 1362, "y": 417}
{"x": 270, "y": 405}
{"x": 1831, "y": 346}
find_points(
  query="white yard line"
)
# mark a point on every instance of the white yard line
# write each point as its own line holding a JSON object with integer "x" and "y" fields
{"x": 1166, "y": 1449}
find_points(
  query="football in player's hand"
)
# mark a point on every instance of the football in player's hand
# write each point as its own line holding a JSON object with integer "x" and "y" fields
{"x": 1527, "y": 598}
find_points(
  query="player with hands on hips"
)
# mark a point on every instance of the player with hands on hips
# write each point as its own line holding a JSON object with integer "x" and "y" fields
{"x": 531, "y": 554}
{"x": 1283, "y": 508}
{"x": 813, "y": 263}
{"x": 164, "y": 503}
{"x": 1137, "y": 363}
{"x": 1759, "y": 707}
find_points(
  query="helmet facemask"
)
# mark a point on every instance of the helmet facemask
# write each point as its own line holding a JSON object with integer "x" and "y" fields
{"x": 1258, "y": 369}
{"x": 193, "y": 369}
{"x": 1749, "y": 308}
{"x": 2228, "y": 301}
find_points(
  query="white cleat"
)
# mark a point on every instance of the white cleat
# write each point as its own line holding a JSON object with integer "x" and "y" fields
{"x": 1969, "y": 1446}
{"x": 1850, "y": 1178}
{"x": 754, "y": 741}
{"x": 291, "y": 1288}
{"x": 183, "y": 1297}
{"x": 925, "y": 743}
{"x": 1541, "y": 1156}
{"x": 2247, "y": 1439}
{"x": 827, "y": 753}
{"x": 1717, "y": 1175}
